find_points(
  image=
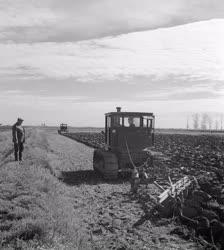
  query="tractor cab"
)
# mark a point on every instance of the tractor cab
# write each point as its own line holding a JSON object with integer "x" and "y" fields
{"x": 63, "y": 128}
{"x": 127, "y": 135}
{"x": 135, "y": 129}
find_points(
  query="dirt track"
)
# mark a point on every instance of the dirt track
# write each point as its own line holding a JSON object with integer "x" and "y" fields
{"x": 107, "y": 216}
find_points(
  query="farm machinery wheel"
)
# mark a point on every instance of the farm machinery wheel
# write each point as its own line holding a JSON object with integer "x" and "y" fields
{"x": 105, "y": 163}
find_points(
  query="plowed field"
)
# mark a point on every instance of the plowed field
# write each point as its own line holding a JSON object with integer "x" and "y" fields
{"x": 54, "y": 200}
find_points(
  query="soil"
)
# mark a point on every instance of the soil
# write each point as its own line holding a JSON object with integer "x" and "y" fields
{"x": 107, "y": 215}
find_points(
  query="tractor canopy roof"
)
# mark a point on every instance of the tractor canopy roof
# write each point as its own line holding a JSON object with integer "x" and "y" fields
{"x": 138, "y": 114}
{"x": 63, "y": 125}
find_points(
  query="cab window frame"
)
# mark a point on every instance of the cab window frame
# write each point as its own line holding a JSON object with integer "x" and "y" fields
{"x": 117, "y": 121}
{"x": 109, "y": 122}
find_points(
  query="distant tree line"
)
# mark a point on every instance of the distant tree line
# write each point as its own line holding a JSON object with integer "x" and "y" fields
{"x": 206, "y": 121}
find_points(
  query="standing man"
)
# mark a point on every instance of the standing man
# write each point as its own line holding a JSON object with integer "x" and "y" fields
{"x": 18, "y": 138}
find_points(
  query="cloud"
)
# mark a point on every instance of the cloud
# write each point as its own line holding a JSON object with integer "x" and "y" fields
{"x": 191, "y": 52}
{"x": 23, "y": 13}
{"x": 188, "y": 91}
{"x": 194, "y": 95}
{"x": 20, "y": 99}
{"x": 69, "y": 20}
{"x": 48, "y": 68}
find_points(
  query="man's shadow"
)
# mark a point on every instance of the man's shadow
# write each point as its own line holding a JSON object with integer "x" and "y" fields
{"x": 90, "y": 177}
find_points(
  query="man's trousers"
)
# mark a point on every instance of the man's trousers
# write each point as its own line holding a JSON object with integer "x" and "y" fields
{"x": 18, "y": 151}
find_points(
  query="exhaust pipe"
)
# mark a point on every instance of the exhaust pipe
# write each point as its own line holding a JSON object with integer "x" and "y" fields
{"x": 118, "y": 109}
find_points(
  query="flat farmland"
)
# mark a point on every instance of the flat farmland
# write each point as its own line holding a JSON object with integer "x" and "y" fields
{"x": 188, "y": 153}
{"x": 54, "y": 200}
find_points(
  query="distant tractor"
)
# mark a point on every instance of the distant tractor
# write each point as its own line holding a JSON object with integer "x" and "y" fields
{"x": 127, "y": 134}
{"x": 63, "y": 129}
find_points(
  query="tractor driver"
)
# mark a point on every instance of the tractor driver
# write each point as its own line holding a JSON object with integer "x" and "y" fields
{"x": 131, "y": 122}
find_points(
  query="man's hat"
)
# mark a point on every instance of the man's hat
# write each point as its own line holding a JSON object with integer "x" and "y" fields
{"x": 20, "y": 120}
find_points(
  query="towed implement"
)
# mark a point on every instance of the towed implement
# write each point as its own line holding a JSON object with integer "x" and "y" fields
{"x": 127, "y": 134}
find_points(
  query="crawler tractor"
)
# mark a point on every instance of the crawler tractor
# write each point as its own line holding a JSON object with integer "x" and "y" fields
{"x": 63, "y": 129}
{"x": 127, "y": 134}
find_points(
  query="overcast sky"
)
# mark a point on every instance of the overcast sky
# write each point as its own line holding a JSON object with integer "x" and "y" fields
{"x": 73, "y": 60}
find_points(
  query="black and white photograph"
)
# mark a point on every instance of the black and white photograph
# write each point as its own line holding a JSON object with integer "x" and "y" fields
{"x": 111, "y": 125}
